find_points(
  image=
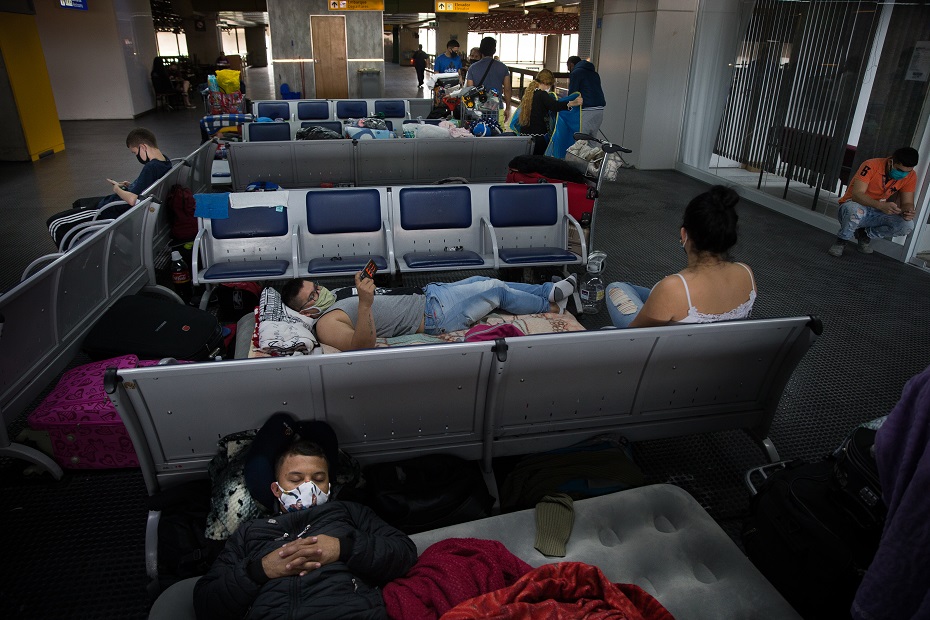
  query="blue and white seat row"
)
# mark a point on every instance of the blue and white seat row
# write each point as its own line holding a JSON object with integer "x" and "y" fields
{"x": 329, "y": 232}
{"x": 331, "y": 109}
{"x": 282, "y": 131}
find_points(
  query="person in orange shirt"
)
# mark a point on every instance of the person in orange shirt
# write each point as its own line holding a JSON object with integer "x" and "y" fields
{"x": 879, "y": 202}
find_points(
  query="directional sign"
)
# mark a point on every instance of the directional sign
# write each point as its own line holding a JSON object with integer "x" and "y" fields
{"x": 444, "y": 6}
{"x": 355, "y": 5}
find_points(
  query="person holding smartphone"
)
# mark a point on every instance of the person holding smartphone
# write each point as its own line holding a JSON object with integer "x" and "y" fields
{"x": 155, "y": 164}
{"x": 355, "y": 320}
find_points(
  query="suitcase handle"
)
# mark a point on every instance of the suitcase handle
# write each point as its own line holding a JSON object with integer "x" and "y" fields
{"x": 764, "y": 471}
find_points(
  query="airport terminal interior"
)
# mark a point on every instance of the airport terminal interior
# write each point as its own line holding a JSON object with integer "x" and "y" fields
{"x": 74, "y": 548}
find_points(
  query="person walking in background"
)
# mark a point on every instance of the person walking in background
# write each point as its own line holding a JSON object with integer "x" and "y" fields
{"x": 585, "y": 80}
{"x": 419, "y": 63}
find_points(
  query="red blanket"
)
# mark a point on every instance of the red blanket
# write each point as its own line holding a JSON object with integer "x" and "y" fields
{"x": 449, "y": 572}
{"x": 562, "y": 591}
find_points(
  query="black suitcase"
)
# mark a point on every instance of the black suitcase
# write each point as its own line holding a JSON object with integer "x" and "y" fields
{"x": 153, "y": 328}
{"x": 810, "y": 538}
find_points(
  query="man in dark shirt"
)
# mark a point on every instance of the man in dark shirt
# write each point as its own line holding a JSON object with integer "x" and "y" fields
{"x": 585, "y": 80}
{"x": 155, "y": 164}
{"x": 419, "y": 62}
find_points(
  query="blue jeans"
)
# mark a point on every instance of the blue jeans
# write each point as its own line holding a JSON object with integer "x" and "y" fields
{"x": 451, "y": 306}
{"x": 876, "y": 224}
{"x": 624, "y": 301}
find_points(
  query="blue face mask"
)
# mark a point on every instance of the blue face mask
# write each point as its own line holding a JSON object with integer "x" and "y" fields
{"x": 897, "y": 175}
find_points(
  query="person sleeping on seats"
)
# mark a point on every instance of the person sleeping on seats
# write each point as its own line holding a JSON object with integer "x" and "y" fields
{"x": 351, "y": 319}
{"x": 317, "y": 558}
{"x": 710, "y": 289}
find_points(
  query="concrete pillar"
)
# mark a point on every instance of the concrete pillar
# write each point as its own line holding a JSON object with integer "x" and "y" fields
{"x": 553, "y": 51}
{"x": 406, "y": 41}
{"x": 452, "y": 26}
{"x": 203, "y": 47}
{"x": 99, "y": 60}
{"x": 255, "y": 46}
{"x": 292, "y": 52}
{"x": 644, "y": 71}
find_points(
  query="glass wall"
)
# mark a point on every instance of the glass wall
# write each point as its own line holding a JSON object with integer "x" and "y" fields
{"x": 170, "y": 44}
{"x": 817, "y": 88}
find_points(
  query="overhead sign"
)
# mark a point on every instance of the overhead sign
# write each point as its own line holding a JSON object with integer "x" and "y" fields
{"x": 442, "y": 6}
{"x": 355, "y": 5}
{"x": 80, "y": 5}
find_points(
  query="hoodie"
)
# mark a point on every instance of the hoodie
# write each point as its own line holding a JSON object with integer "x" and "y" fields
{"x": 585, "y": 80}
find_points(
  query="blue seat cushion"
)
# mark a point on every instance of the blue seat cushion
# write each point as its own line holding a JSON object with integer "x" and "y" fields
{"x": 535, "y": 255}
{"x": 251, "y": 222}
{"x": 432, "y": 260}
{"x": 391, "y": 107}
{"x": 441, "y": 206}
{"x": 247, "y": 269}
{"x": 523, "y": 205}
{"x": 268, "y": 132}
{"x": 343, "y": 211}
{"x": 313, "y": 110}
{"x": 273, "y": 109}
{"x": 351, "y": 109}
{"x": 344, "y": 263}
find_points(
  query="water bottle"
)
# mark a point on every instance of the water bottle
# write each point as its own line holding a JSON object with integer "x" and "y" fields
{"x": 181, "y": 277}
{"x": 592, "y": 286}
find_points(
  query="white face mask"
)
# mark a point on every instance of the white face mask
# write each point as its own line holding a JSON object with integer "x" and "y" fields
{"x": 304, "y": 496}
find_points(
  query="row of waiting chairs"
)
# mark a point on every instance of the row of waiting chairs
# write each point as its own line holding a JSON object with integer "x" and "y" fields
{"x": 282, "y": 131}
{"x": 330, "y": 232}
{"x": 331, "y": 109}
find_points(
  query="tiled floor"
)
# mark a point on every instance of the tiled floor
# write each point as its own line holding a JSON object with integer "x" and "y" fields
{"x": 74, "y": 548}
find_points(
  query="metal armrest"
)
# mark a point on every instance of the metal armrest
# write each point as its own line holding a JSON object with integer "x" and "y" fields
{"x": 493, "y": 236}
{"x": 74, "y": 236}
{"x": 29, "y": 268}
{"x": 584, "y": 245}
{"x": 389, "y": 243}
{"x": 195, "y": 256}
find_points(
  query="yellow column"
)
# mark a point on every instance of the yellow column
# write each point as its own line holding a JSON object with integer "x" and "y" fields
{"x": 29, "y": 81}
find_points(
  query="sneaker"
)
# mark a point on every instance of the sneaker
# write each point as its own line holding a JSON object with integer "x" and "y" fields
{"x": 837, "y": 248}
{"x": 862, "y": 238}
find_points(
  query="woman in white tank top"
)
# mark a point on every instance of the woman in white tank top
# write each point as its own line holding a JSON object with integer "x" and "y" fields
{"x": 709, "y": 289}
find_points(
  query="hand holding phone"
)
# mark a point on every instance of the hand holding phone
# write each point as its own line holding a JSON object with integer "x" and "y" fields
{"x": 370, "y": 270}
{"x": 117, "y": 183}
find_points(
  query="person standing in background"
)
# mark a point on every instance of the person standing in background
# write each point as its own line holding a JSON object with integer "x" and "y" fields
{"x": 585, "y": 80}
{"x": 419, "y": 63}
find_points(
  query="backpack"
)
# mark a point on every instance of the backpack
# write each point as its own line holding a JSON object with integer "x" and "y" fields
{"x": 181, "y": 208}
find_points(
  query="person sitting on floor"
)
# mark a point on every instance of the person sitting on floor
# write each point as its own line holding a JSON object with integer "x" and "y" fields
{"x": 351, "y": 319}
{"x": 710, "y": 289}
{"x": 318, "y": 557}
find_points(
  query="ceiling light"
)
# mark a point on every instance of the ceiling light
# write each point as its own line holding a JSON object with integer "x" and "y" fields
{"x": 536, "y": 2}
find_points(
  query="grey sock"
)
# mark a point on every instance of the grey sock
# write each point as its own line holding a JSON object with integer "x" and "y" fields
{"x": 563, "y": 288}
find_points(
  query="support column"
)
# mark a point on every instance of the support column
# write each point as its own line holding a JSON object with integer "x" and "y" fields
{"x": 553, "y": 51}
{"x": 255, "y": 46}
{"x": 203, "y": 47}
{"x": 644, "y": 72}
{"x": 452, "y": 26}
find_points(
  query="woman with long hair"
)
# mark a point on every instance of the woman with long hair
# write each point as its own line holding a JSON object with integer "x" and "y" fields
{"x": 711, "y": 288}
{"x": 537, "y": 103}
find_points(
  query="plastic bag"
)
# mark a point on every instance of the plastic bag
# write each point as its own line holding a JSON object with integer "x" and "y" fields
{"x": 316, "y": 132}
{"x": 228, "y": 80}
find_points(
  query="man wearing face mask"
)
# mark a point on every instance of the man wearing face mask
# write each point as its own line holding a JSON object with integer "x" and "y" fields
{"x": 316, "y": 558}
{"x": 449, "y": 61}
{"x": 879, "y": 202}
{"x": 350, "y": 319}
{"x": 155, "y": 164}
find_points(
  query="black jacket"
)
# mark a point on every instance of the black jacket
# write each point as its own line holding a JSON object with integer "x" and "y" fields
{"x": 371, "y": 554}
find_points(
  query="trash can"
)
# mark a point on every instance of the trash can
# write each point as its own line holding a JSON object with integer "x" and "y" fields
{"x": 369, "y": 83}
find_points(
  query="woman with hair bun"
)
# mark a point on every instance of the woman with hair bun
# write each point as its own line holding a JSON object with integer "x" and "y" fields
{"x": 710, "y": 289}
{"x": 535, "y": 107}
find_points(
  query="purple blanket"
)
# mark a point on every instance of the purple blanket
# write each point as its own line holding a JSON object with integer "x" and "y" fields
{"x": 897, "y": 584}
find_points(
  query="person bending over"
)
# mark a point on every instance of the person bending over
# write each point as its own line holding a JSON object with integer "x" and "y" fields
{"x": 710, "y": 289}
{"x": 536, "y": 106}
{"x": 319, "y": 558}
{"x": 352, "y": 318}
{"x": 869, "y": 208}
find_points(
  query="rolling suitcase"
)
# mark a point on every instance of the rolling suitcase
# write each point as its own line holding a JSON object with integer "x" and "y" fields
{"x": 814, "y": 528}
{"x": 83, "y": 427}
{"x": 154, "y": 328}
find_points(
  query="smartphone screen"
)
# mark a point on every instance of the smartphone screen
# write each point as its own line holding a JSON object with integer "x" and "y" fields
{"x": 370, "y": 269}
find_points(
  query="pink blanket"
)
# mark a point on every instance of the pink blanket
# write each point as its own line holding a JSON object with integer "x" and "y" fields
{"x": 449, "y": 572}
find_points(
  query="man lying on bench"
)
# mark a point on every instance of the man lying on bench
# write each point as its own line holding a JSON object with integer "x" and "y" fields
{"x": 352, "y": 318}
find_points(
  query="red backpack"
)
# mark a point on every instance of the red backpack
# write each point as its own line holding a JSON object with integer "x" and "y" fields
{"x": 181, "y": 208}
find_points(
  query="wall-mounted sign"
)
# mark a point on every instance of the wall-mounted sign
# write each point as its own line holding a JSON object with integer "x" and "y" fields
{"x": 80, "y": 5}
{"x": 355, "y": 5}
{"x": 442, "y": 6}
